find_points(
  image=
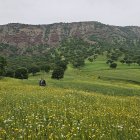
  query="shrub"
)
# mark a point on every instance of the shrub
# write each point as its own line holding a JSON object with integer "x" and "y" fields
{"x": 62, "y": 64}
{"x": 109, "y": 61}
{"x": 122, "y": 61}
{"x": 78, "y": 62}
{"x": 9, "y": 73}
{"x": 21, "y": 73}
{"x": 58, "y": 73}
{"x": 34, "y": 70}
{"x": 90, "y": 59}
{"x": 138, "y": 62}
{"x": 113, "y": 65}
{"x": 47, "y": 68}
{"x": 129, "y": 62}
{"x": 3, "y": 64}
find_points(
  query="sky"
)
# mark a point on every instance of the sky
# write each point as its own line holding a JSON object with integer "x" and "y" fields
{"x": 112, "y": 12}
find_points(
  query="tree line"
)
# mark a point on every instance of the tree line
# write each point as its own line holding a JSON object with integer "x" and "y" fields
{"x": 23, "y": 72}
{"x": 71, "y": 51}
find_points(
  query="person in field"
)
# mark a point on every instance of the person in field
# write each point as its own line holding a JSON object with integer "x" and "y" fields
{"x": 42, "y": 82}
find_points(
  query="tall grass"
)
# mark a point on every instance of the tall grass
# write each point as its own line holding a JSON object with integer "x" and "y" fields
{"x": 93, "y": 102}
{"x": 38, "y": 113}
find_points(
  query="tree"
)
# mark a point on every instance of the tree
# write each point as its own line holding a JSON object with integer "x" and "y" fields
{"x": 3, "y": 64}
{"x": 114, "y": 57}
{"x": 47, "y": 68}
{"x": 95, "y": 56}
{"x": 137, "y": 59}
{"x": 113, "y": 65}
{"x": 129, "y": 62}
{"x": 21, "y": 73}
{"x": 122, "y": 61}
{"x": 138, "y": 62}
{"x": 62, "y": 64}
{"x": 109, "y": 61}
{"x": 34, "y": 70}
{"x": 9, "y": 73}
{"x": 90, "y": 59}
{"x": 78, "y": 62}
{"x": 58, "y": 73}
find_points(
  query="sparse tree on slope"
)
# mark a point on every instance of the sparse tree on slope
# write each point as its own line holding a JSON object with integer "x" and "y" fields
{"x": 113, "y": 65}
{"x": 58, "y": 73}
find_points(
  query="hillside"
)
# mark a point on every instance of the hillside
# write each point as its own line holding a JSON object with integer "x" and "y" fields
{"x": 22, "y": 39}
{"x": 80, "y": 106}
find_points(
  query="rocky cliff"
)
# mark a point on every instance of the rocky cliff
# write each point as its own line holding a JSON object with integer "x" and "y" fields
{"x": 22, "y": 37}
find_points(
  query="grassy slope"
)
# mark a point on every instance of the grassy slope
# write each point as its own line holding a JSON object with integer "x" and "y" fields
{"x": 72, "y": 108}
{"x": 125, "y": 80}
{"x": 33, "y": 112}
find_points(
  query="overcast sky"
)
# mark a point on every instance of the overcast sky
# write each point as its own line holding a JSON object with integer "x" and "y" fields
{"x": 113, "y": 12}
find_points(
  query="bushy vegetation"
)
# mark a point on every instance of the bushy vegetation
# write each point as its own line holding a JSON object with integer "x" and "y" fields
{"x": 34, "y": 70}
{"x": 12, "y": 50}
{"x": 113, "y": 65}
{"x": 75, "y": 51}
{"x": 80, "y": 106}
{"x": 58, "y": 73}
{"x": 21, "y": 73}
{"x": 46, "y": 68}
{"x": 3, "y": 64}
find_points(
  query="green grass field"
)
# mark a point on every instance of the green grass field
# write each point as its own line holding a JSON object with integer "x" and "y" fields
{"x": 81, "y": 106}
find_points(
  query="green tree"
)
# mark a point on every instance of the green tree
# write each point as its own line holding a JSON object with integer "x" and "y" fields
{"x": 58, "y": 73}
{"x": 109, "y": 61}
{"x": 113, "y": 65}
{"x": 9, "y": 73}
{"x": 21, "y": 73}
{"x": 138, "y": 61}
{"x": 78, "y": 62}
{"x": 129, "y": 62}
{"x": 122, "y": 61}
{"x": 47, "y": 68}
{"x": 114, "y": 57}
{"x": 90, "y": 59}
{"x": 62, "y": 64}
{"x": 3, "y": 64}
{"x": 34, "y": 70}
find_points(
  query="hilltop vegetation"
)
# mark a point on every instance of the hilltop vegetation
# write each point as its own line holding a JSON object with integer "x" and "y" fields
{"x": 74, "y": 52}
{"x": 38, "y": 45}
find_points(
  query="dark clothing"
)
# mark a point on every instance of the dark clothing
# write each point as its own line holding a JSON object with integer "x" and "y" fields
{"x": 42, "y": 83}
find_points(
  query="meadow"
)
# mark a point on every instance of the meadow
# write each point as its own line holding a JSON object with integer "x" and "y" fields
{"x": 91, "y": 103}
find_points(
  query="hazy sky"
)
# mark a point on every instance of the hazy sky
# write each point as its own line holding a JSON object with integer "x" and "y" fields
{"x": 114, "y": 12}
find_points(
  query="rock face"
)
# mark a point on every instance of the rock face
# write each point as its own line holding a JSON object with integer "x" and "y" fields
{"x": 21, "y": 35}
{"x": 24, "y": 36}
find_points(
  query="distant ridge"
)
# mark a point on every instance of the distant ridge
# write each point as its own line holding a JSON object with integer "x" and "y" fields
{"x": 22, "y": 37}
